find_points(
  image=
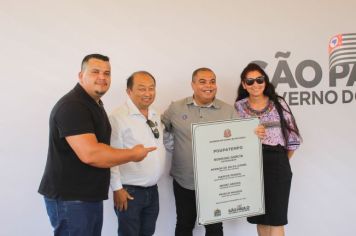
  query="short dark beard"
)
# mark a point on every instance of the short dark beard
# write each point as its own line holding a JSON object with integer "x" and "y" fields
{"x": 100, "y": 94}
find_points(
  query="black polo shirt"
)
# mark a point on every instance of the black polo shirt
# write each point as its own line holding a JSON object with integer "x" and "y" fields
{"x": 65, "y": 176}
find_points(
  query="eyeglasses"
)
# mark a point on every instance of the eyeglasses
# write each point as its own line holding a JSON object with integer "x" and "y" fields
{"x": 153, "y": 127}
{"x": 251, "y": 81}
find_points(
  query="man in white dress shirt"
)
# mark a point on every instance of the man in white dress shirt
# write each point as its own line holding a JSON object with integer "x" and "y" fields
{"x": 135, "y": 183}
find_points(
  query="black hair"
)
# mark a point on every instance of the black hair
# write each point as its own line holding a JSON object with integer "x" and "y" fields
{"x": 270, "y": 92}
{"x": 201, "y": 69}
{"x": 130, "y": 80}
{"x": 95, "y": 56}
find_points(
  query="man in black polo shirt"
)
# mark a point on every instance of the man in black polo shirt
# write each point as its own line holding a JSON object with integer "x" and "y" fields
{"x": 77, "y": 175}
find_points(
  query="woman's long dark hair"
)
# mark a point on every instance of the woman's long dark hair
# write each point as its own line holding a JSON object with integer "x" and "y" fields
{"x": 270, "y": 92}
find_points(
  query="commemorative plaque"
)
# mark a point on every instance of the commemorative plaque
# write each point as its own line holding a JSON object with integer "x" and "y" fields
{"x": 228, "y": 170}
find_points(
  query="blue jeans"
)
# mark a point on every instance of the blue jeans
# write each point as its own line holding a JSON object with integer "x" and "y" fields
{"x": 75, "y": 218}
{"x": 141, "y": 215}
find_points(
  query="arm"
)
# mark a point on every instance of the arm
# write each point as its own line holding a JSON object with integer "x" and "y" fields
{"x": 96, "y": 154}
{"x": 75, "y": 124}
{"x": 294, "y": 138}
{"x": 168, "y": 138}
{"x": 168, "y": 141}
{"x": 120, "y": 195}
{"x": 290, "y": 154}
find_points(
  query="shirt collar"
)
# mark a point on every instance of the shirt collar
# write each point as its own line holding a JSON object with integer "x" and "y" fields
{"x": 214, "y": 104}
{"x": 133, "y": 110}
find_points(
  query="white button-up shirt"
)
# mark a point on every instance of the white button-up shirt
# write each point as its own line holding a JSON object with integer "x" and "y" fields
{"x": 129, "y": 128}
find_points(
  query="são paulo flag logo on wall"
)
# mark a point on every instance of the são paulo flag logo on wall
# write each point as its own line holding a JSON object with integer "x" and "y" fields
{"x": 305, "y": 83}
{"x": 342, "y": 49}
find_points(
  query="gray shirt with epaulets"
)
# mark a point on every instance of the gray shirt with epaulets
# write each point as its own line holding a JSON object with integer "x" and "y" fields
{"x": 177, "y": 120}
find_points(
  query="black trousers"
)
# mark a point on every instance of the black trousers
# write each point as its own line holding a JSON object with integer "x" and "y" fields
{"x": 187, "y": 213}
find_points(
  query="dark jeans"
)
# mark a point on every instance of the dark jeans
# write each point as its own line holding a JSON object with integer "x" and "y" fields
{"x": 75, "y": 218}
{"x": 187, "y": 213}
{"x": 141, "y": 215}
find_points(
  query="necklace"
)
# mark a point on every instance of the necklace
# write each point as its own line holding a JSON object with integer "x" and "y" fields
{"x": 252, "y": 112}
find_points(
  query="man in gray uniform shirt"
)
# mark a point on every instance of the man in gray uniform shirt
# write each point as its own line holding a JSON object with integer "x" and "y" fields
{"x": 201, "y": 107}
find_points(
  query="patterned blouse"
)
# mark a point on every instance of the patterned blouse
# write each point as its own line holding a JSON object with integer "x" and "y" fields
{"x": 269, "y": 118}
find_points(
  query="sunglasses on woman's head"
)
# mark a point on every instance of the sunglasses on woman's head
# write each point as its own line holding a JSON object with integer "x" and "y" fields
{"x": 251, "y": 81}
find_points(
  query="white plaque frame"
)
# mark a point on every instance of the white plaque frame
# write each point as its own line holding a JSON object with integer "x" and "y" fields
{"x": 228, "y": 170}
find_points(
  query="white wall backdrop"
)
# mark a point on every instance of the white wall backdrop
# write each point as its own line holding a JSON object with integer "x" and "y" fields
{"x": 43, "y": 42}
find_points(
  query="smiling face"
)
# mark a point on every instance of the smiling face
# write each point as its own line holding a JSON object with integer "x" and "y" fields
{"x": 256, "y": 89}
{"x": 204, "y": 87}
{"x": 95, "y": 78}
{"x": 143, "y": 91}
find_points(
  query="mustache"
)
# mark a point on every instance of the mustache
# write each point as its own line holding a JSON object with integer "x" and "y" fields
{"x": 101, "y": 82}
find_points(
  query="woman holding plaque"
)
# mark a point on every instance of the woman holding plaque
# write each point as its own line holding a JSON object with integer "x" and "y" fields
{"x": 256, "y": 97}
